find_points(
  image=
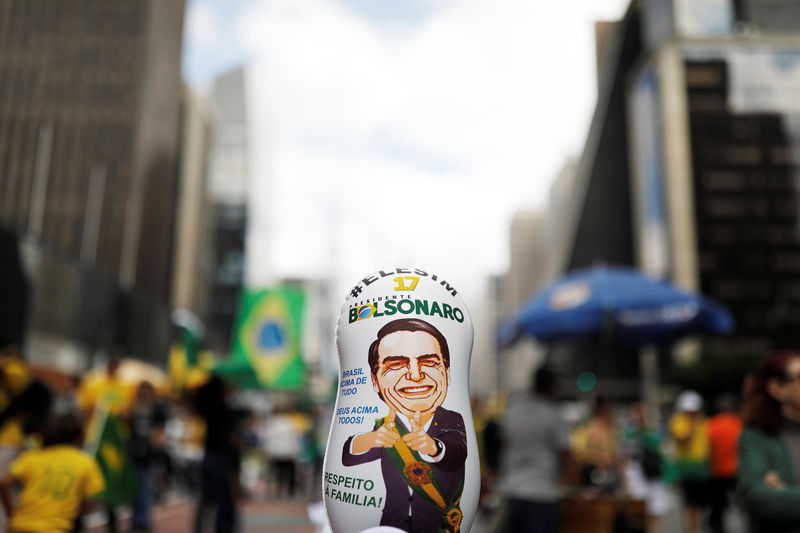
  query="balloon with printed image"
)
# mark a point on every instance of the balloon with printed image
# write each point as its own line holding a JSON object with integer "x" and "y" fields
{"x": 402, "y": 451}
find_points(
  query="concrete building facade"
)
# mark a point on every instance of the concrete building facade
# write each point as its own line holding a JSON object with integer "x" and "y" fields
{"x": 89, "y": 134}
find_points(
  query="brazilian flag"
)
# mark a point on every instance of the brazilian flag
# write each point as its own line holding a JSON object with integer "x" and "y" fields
{"x": 107, "y": 443}
{"x": 267, "y": 344}
{"x": 183, "y": 359}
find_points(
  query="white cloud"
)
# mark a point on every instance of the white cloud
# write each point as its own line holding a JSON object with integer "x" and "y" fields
{"x": 379, "y": 145}
{"x": 202, "y": 27}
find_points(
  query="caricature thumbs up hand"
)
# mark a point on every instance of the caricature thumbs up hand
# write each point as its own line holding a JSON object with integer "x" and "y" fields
{"x": 388, "y": 422}
{"x": 417, "y": 439}
{"x": 383, "y": 437}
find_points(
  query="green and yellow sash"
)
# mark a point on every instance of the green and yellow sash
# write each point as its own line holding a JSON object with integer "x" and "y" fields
{"x": 419, "y": 475}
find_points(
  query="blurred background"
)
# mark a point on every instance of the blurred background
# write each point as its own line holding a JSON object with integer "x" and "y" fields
{"x": 198, "y": 184}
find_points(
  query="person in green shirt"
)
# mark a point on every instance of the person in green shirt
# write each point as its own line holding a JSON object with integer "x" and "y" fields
{"x": 645, "y": 469}
{"x": 769, "y": 447}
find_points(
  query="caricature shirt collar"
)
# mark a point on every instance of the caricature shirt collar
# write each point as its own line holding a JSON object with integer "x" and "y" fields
{"x": 426, "y": 426}
{"x": 407, "y": 422}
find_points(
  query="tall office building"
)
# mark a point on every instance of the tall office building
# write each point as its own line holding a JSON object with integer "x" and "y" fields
{"x": 690, "y": 169}
{"x": 727, "y": 202}
{"x": 526, "y": 273}
{"x": 192, "y": 250}
{"x": 89, "y": 110}
{"x": 715, "y": 175}
{"x": 561, "y": 209}
{"x": 228, "y": 188}
{"x": 229, "y": 164}
{"x": 89, "y": 132}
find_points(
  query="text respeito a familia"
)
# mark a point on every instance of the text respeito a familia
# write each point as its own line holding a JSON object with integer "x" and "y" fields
{"x": 335, "y": 486}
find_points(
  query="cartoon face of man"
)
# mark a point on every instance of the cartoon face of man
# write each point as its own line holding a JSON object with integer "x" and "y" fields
{"x": 411, "y": 370}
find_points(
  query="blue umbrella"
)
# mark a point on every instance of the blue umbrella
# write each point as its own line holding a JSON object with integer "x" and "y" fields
{"x": 619, "y": 304}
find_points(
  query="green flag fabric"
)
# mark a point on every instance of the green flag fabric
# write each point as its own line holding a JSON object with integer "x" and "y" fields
{"x": 191, "y": 345}
{"x": 107, "y": 443}
{"x": 267, "y": 344}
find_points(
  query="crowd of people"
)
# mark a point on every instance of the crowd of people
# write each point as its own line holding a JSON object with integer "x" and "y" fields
{"x": 739, "y": 450}
{"x": 110, "y": 443}
{"x": 53, "y": 449}
{"x": 735, "y": 450}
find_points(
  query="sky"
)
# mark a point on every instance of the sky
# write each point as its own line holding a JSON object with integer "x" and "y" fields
{"x": 399, "y": 133}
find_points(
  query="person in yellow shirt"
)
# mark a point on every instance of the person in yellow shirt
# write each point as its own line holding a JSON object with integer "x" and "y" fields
{"x": 689, "y": 432}
{"x": 594, "y": 445}
{"x": 11, "y": 434}
{"x": 109, "y": 393}
{"x": 26, "y": 401}
{"x": 14, "y": 378}
{"x": 56, "y": 482}
{"x": 106, "y": 391}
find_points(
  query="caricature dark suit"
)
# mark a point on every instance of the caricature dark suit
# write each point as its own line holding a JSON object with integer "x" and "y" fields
{"x": 447, "y": 427}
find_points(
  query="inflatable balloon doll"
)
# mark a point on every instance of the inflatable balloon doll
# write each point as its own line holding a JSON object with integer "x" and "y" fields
{"x": 402, "y": 451}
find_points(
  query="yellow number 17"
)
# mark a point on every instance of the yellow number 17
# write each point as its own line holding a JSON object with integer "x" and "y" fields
{"x": 401, "y": 283}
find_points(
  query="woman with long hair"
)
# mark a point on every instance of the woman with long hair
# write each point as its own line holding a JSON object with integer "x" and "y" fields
{"x": 769, "y": 448}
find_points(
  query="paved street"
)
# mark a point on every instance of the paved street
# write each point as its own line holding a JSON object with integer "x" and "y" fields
{"x": 672, "y": 522}
{"x": 274, "y": 516}
{"x": 177, "y": 515}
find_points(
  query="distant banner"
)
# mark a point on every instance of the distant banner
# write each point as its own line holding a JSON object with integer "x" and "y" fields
{"x": 267, "y": 345}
